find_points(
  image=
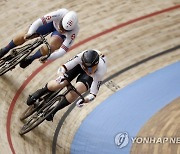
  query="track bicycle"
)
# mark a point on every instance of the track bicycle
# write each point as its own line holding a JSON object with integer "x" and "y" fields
{"x": 47, "y": 108}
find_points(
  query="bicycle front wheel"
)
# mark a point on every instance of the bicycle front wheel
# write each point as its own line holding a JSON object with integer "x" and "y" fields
{"x": 28, "y": 112}
{"x": 38, "y": 117}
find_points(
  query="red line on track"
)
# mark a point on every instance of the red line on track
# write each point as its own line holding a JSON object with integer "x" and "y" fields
{"x": 19, "y": 91}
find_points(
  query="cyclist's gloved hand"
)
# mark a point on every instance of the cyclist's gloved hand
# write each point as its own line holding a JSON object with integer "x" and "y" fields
{"x": 60, "y": 79}
{"x": 61, "y": 70}
{"x": 27, "y": 36}
{"x": 80, "y": 103}
{"x": 30, "y": 36}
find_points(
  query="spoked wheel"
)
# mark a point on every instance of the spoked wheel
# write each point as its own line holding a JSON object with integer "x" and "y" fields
{"x": 29, "y": 111}
{"x": 9, "y": 62}
{"x": 39, "y": 116}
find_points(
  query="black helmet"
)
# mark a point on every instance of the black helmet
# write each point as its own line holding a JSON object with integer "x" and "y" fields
{"x": 90, "y": 58}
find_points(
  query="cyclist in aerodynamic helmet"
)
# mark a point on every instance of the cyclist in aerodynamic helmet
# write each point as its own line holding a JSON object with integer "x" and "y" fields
{"x": 88, "y": 66}
{"x": 63, "y": 26}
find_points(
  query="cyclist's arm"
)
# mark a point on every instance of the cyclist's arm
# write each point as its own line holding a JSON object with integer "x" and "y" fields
{"x": 97, "y": 80}
{"x": 60, "y": 52}
{"x": 68, "y": 66}
{"x": 93, "y": 91}
{"x": 44, "y": 20}
{"x": 64, "y": 47}
{"x": 72, "y": 63}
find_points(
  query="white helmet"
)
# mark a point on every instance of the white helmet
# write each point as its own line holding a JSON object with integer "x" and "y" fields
{"x": 70, "y": 20}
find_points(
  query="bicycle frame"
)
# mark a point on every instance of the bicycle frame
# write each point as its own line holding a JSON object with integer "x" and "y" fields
{"x": 71, "y": 87}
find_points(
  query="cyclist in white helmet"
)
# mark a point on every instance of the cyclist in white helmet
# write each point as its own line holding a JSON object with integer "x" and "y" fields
{"x": 63, "y": 26}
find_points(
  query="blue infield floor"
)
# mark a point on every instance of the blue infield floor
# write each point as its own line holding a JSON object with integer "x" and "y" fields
{"x": 126, "y": 111}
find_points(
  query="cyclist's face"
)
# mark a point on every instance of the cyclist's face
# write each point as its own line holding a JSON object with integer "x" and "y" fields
{"x": 90, "y": 70}
{"x": 60, "y": 28}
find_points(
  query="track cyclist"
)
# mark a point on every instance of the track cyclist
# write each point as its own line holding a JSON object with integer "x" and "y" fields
{"x": 64, "y": 28}
{"x": 88, "y": 66}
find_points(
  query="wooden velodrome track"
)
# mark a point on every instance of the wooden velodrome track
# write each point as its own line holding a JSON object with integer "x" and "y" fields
{"x": 126, "y": 31}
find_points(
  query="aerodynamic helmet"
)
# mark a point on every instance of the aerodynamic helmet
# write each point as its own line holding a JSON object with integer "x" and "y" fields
{"x": 69, "y": 21}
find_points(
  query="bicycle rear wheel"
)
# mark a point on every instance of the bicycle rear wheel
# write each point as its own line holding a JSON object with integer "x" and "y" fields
{"x": 38, "y": 117}
{"x": 7, "y": 63}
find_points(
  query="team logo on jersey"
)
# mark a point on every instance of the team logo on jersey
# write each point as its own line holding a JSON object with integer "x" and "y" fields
{"x": 48, "y": 17}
